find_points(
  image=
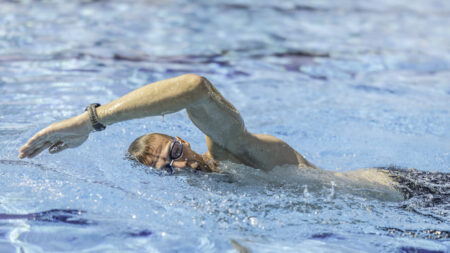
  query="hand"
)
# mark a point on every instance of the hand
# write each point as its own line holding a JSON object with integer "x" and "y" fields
{"x": 58, "y": 136}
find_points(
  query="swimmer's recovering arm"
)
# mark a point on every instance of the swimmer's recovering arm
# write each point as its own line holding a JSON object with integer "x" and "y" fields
{"x": 206, "y": 107}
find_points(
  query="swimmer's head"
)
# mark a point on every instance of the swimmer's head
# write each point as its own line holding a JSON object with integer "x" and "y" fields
{"x": 154, "y": 150}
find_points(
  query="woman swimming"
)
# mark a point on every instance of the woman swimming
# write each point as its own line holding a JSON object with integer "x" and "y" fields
{"x": 226, "y": 136}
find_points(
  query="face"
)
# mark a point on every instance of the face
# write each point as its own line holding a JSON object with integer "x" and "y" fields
{"x": 161, "y": 156}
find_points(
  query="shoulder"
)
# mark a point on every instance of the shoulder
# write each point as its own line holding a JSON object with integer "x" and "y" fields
{"x": 262, "y": 151}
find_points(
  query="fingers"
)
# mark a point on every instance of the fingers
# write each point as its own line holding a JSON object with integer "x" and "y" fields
{"x": 27, "y": 150}
{"x": 30, "y": 152}
{"x": 35, "y": 143}
{"x": 39, "y": 150}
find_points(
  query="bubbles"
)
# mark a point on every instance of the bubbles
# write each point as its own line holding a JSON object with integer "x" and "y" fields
{"x": 347, "y": 84}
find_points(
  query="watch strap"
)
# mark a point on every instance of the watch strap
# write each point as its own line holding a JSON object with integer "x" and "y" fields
{"x": 93, "y": 117}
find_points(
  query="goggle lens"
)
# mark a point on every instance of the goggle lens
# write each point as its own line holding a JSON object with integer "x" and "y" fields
{"x": 177, "y": 150}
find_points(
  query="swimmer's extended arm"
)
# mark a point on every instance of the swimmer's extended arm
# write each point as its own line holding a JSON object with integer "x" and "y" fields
{"x": 158, "y": 98}
{"x": 206, "y": 107}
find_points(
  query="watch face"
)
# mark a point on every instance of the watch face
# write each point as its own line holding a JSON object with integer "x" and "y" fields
{"x": 99, "y": 126}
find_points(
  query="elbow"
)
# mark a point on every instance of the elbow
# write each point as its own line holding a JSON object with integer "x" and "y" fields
{"x": 198, "y": 84}
{"x": 193, "y": 78}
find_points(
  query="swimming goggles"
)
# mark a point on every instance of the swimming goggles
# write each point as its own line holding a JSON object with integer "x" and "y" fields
{"x": 175, "y": 152}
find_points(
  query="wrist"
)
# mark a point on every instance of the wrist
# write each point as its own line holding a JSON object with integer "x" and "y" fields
{"x": 85, "y": 121}
{"x": 93, "y": 117}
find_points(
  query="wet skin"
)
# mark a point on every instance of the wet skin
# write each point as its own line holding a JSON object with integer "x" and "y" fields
{"x": 227, "y": 138}
{"x": 189, "y": 158}
{"x": 226, "y": 135}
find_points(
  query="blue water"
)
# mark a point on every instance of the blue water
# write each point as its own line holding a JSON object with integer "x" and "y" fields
{"x": 349, "y": 84}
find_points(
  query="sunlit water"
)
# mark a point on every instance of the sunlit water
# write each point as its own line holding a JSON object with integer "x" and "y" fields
{"x": 348, "y": 84}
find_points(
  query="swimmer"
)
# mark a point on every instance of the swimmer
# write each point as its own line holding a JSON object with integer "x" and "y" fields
{"x": 227, "y": 138}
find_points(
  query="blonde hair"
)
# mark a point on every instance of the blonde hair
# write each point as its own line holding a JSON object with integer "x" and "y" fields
{"x": 143, "y": 148}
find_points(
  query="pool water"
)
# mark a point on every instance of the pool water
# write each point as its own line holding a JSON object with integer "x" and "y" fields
{"x": 348, "y": 84}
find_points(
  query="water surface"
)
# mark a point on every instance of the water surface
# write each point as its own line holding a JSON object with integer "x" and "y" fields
{"x": 348, "y": 84}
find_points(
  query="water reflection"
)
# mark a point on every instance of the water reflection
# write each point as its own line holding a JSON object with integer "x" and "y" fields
{"x": 349, "y": 84}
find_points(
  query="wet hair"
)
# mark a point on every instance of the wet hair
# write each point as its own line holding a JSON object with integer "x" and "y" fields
{"x": 143, "y": 148}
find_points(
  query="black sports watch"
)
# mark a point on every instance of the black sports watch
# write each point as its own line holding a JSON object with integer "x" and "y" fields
{"x": 93, "y": 117}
